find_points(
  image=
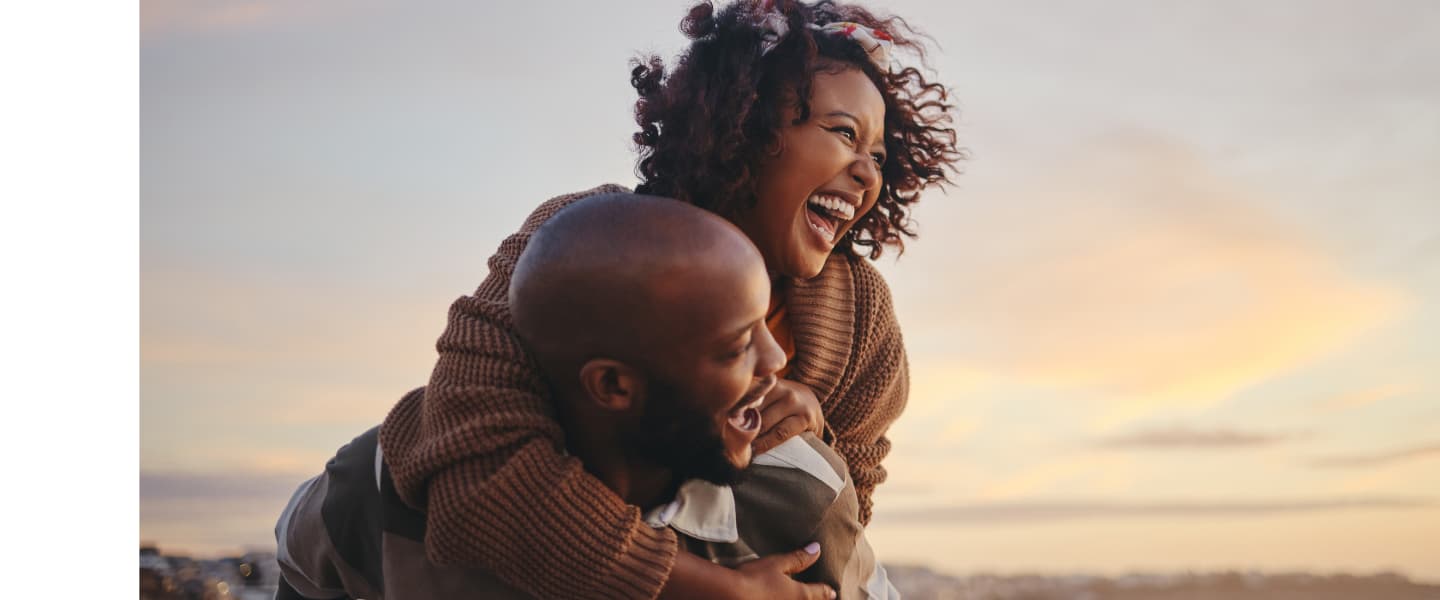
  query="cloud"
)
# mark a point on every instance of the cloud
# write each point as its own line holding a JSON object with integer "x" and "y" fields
{"x": 1187, "y": 438}
{"x": 199, "y": 16}
{"x": 198, "y": 487}
{"x": 1363, "y": 397}
{"x": 213, "y": 514}
{"x": 207, "y": 319}
{"x": 158, "y": 16}
{"x": 281, "y": 353}
{"x": 260, "y": 372}
{"x": 1135, "y": 273}
{"x": 1091, "y": 472}
{"x": 1030, "y": 512}
{"x": 1383, "y": 458}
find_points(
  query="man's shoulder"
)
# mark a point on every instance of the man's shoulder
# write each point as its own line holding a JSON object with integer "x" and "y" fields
{"x": 808, "y": 455}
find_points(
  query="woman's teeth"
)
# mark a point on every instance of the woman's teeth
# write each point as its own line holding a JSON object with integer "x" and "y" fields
{"x": 827, "y": 213}
{"x": 823, "y": 225}
{"x": 836, "y": 207}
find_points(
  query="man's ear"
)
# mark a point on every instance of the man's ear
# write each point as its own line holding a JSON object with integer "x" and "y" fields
{"x": 612, "y": 385}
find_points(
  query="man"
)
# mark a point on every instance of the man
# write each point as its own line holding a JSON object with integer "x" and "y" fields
{"x": 646, "y": 317}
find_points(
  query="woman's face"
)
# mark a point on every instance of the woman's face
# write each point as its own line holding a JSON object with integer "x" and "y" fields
{"x": 824, "y": 178}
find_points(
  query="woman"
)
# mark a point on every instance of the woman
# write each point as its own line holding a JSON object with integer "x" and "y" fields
{"x": 791, "y": 121}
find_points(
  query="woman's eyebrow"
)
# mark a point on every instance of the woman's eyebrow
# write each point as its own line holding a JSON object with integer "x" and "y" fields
{"x": 841, "y": 113}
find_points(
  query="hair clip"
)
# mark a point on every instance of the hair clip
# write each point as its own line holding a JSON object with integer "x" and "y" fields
{"x": 771, "y": 24}
{"x": 874, "y": 41}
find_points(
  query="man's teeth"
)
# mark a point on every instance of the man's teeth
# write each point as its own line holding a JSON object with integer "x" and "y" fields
{"x": 835, "y": 206}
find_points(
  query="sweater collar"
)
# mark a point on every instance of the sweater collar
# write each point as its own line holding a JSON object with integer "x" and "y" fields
{"x": 822, "y": 320}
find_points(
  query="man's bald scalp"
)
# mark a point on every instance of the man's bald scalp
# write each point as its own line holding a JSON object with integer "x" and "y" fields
{"x": 594, "y": 279}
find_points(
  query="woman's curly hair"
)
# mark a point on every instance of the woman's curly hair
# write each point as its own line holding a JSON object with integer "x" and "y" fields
{"x": 706, "y": 128}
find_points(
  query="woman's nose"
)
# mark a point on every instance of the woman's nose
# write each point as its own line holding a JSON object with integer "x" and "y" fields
{"x": 865, "y": 172}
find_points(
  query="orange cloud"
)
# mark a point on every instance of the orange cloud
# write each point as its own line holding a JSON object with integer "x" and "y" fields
{"x": 1192, "y": 438}
{"x": 290, "y": 369}
{"x": 157, "y": 16}
{"x": 1088, "y": 473}
{"x": 190, "y": 16}
{"x": 1379, "y": 458}
{"x": 195, "y": 321}
{"x": 1364, "y": 397}
{"x": 1029, "y": 512}
{"x": 1135, "y": 273}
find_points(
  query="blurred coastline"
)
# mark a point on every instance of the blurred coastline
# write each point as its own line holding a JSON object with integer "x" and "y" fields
{"x": 254, "y": 575}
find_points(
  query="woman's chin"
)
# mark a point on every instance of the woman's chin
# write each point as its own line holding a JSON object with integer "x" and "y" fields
{"x": 806, "y": 267}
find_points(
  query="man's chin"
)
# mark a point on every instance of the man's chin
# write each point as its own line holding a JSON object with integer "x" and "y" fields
{"x": 741, "y": 459}
{"x": 719, "y": 473}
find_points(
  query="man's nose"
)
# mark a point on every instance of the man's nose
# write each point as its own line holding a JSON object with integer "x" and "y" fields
{"x": 772, "y": 356}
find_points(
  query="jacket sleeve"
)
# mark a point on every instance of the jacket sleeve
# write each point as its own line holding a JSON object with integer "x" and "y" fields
{"x": 878, "y": 380}
{"x": 481, "y": 452}
{"x": 310, "y": 568}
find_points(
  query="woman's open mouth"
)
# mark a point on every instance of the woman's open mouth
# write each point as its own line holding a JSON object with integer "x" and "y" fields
{"x": 826, "y": 214}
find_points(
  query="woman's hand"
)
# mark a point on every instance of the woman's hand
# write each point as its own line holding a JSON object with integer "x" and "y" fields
{"x": 770, "y": 577}
{"x": 695, "y": 578}
{"x": 789, "y": 409}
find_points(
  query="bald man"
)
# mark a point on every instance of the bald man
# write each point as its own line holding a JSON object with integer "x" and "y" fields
{"x": 646, "y": 317}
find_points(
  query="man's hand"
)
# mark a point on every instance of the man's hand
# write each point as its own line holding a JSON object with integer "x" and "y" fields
{"x": 789, "y": 409}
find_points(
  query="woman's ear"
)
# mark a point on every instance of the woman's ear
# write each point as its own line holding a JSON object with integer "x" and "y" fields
{"x": 611, "y": 385}
{"x": 776, "y": 147}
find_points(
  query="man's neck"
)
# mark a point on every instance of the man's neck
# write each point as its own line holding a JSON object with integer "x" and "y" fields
{"x": 599, "y": 449}
{"x": 643, "y": 486}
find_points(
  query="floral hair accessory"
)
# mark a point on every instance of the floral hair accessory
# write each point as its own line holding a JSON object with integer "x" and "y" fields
{"x": 875, "y": 41}
{"x": 771, "y": 24}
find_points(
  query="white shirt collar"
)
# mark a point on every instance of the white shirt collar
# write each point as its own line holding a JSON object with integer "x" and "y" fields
{"x": 701, "y": 510}
{"x": 706, "y": 511}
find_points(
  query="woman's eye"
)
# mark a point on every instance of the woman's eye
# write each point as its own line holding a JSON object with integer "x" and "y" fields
{"x": 845, "y": 131}
{"x": 879, "y": 159}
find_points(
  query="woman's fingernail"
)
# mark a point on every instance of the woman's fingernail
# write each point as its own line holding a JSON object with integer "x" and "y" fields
{"x": 812, "y": 548}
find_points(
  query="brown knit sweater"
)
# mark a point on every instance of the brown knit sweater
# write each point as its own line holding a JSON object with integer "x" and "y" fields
{"x": 480, "y": 451}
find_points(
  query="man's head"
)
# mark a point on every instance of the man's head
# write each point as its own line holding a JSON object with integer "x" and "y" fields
{"x": 647, "y": 316}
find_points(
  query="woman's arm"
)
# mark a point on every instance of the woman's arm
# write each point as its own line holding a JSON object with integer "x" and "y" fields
{"x": 480, "y": 451}
{"x": 695, "y": 578}
{"x": 874, "y": 388}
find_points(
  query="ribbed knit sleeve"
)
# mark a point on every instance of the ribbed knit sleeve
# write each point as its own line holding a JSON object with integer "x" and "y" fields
{"x": 480, "y": 451}
{"x": 879, "y": 379}
{"x": 855, "y": 360}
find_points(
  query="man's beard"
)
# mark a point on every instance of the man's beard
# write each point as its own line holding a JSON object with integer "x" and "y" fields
{"x": 673, "y": 434}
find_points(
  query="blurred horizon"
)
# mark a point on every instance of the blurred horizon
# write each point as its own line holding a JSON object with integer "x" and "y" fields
{"x": 1179, "y": 312}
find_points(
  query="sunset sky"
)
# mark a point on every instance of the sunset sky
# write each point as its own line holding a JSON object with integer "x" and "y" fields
{"x": 1181, "y": 310}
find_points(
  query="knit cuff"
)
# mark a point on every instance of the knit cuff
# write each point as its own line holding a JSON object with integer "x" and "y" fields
{"x": 646, "y": 564}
